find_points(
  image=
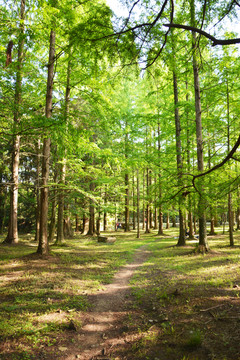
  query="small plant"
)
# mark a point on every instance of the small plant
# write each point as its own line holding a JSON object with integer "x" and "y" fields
{"x": 195, "y": 339}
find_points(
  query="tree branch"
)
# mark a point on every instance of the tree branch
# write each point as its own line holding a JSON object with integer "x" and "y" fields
{"x": 228, "y": 157}
{"x": 204, "y": 33}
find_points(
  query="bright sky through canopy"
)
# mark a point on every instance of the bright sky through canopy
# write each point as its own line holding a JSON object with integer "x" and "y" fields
{"x": 117, "y": 7}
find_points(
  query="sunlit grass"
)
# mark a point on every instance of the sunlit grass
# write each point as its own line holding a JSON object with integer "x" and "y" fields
{"x": 39, "y": 295}
{"x": 34, "y": 290}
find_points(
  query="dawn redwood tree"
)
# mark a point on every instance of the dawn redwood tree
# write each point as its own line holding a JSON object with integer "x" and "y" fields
{"x": 203, "y": 245}
{"x": 62, "y": 165}
{"x": 181, "y": 239}
{"x": 43, "y": 246}
{"x": 12, "y": 236}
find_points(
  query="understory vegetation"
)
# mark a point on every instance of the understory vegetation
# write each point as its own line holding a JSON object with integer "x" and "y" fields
{"x": 184, "y": 305}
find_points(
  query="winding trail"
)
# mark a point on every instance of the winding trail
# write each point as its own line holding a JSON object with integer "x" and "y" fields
{"x": 103, "y": 326}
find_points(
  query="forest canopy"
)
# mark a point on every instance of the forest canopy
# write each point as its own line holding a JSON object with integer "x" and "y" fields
{"x": 108, "y": 119}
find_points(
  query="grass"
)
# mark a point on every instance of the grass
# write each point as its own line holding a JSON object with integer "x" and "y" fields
{"x": 172, "y": 293}
{"x": 40, "y": 296}
{"x": 176, "y": 287}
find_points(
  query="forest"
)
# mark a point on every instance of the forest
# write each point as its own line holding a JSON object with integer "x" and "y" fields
{"x": 125, "y": 126}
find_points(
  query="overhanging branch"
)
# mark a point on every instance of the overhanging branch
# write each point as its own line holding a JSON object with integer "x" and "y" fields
{"x": 204, "y": 33}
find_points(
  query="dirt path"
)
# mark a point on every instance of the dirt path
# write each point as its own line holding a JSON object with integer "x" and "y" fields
{"x": 103, "y": 327}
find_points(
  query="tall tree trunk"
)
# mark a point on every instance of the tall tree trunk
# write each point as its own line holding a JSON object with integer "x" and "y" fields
{"x": 238, "y": 217}
{"x": 143, "y": 208}
{"x": 150, "y": 201}
{"x": 167, "y": 222}
{"x": 230, "y": 212}
{"x": 85, "y": 225}
{"x": 43, "y": 247}
{"x": 126, "y": 203}
{"x": 60, "y": 221}
{"x": 126, "y": 182}
{"x": 160, "y": 214}
{"x": 98, "y": 223}
{"x": 76, "y": 223}
{"x": 37, "y": 187}
{"x": 190, "y": 216}
{"x": 105, "y": 213}
{"x": 203, "y": 245}
{"x": 147, "y": 231}
{"x": 138, "y": 206}
{"x": 181, "y": 238}
{"x": 52, "y": 226}
{"x": 12, "y": 236}
{"x": 134, "y": 202}
{"x": 91, "y": 230}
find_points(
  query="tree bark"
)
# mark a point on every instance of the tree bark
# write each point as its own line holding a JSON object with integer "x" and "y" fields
{"x": 134, "y": 202}
{"x": 143, "y": 208}
{"x": 138, "y": 206}
{"x": 37, "y": 187}
{"x": 181, "y": 238}
{"x": 126, "y": 203}
{"x": 230, "y": 212}
{"x": 91, "y": 230}
{"x": 147, "y": 231}
{"x": 43, "y": 246}
{"x": 52, "y": 226}
{"x": 12, "y": 236}
{"x": 203, "y": 245}
{"x": 167, "y": 222}
{"x": 160, "y": 214}
{"x": 60, "y": 221}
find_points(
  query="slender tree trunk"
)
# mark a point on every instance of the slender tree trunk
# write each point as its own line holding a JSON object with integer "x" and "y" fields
{"x": 138, "y": 206}
{"x": 98, "y": 223}
{"x": 60, "y": 220}
{"x": 3, "y": 212}
{"x": 126, "y": 203}
{"x": 105, "y": 213}
{"x": 181, "y": 238}
{"x": 91, "y": 230}
{"x": 37, "y": 186}
{"x": 134, "y": 203}
{"x": 52, "y": 227}
{"x": 76, "y": 223}
{"x": 150, "y": 201}
{"x": 174, "y": 224}
{"x": 167, "y": 222}
{"x": 238, "y": 218}
{"x": 85, "y": 225}
{"x": 160, "y": 214}
{"x": 143, "y": 208}
{"x": 230, "y": 212}
{"x": 12, "y": 236}
{"x": 190, "y": 216}
{"x": 126, "y": 229}
{"x": 203, "y": 245}
{"x": 147, "y": 231}
{"x": 43, "y": 247}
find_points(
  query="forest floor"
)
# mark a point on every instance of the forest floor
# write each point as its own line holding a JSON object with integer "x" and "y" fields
{"x": 136, "y": 299}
